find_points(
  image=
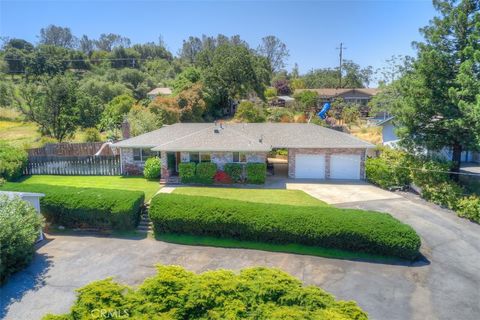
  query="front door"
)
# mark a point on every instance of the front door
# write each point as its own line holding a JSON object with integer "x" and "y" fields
{"x": 172, "y": 163}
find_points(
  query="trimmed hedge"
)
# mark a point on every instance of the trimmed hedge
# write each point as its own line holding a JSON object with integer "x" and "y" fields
{"x": 177, "y": 294}
{"x": 186, "y": 171}
{"x": 348, "y": 229}
{"x": 87, "y": 207}
{"x": 19, "y": 229}
{"x": 152, "y": 168}
{"x": 235, "y": 171}
{"x": 256, "y": 173}
{"x": 205, "y": 172}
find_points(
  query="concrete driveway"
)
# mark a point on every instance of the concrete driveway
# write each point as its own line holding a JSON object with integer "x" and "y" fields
{"x": 336, "y": 192}
{"x": 445, "y": 285}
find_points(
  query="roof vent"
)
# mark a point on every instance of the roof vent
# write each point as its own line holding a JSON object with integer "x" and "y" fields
{"x": 261, "y": 139}
{"x": 216, "y": 130}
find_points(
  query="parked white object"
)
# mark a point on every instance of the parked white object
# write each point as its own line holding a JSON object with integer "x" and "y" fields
{"x": 32, "y": 198}
{"x": 310, "y": 166}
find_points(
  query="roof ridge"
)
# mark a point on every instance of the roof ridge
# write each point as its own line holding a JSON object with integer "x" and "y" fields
{"x": 185, "y": 136}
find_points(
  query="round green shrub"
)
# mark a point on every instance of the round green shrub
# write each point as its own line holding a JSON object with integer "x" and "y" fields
{"x": 235, "y": 171}
{"x": 186, "y": 171}
{"x": 13, "y": 161}
{"x": 205, "y": 172}
{"x": 152, "y": 169}
{"x": 469, "y": 207}
{"x": 256, "y": 173}
{"x": 19, "y": 225}
{"x": 175, "y": 293}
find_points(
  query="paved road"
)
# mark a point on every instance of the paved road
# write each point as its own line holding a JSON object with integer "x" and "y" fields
{"x": 445, "y": 287}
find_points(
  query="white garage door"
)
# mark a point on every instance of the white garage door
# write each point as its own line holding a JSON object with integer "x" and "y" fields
{"x": 345, "y": 166}
{"x": 310, "y": 166}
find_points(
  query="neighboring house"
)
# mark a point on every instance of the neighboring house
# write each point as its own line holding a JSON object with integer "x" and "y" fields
{"x": 160, "y": 91}
{"x": 359, "y": 96}
{"x": 313, "y": 151}
{"x": 281, "y": 101}
{"x": 32, "y": 198}
{"x": 391, "y": 139}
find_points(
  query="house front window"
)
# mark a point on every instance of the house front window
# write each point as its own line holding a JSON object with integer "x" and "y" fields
{"x": 194, "y": 157}
{"x": 205, "y": 157}
{"x": 240, "y": 157}
{"x": 143, "y": 154}
{"x": 200, "y": 157}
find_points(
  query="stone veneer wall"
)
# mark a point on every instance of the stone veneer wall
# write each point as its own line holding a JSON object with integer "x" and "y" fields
{"x": 126, "y": 158}
{"x": 327, "y": 153}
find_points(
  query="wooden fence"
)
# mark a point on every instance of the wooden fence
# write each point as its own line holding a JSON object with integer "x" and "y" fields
{"x": 71, "y": 150}
{"x": 82, "y": 166}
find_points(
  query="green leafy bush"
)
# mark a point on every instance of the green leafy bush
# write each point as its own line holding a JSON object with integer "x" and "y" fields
{"x": 175, "y": 293}
{"x": 425, "y": 172}
{"x": 19, "y": 225}
{"x": 256, "y": 173}
{"x": 347, "y": 229}
{"x": 390, "y": 169}
{"x": 91, "y": 135}
{"x": 469, "y": 207}
{"x": 12, "y": 161}
{"x": 445, "y": 194}
{"x": 152, "y": 169}
{"x": 186, "y": 171}
{"x": 87, "y": 207}
{"x": 235, "y": 171}
{"x": 205, "y": 172}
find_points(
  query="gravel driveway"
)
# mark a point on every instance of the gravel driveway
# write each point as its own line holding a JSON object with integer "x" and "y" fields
{"x": 446, "y": 285}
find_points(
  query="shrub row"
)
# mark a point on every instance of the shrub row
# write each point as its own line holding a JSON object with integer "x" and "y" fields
{"x": 175, "y": 293}
{"x": 19, "y": 225}
{"x": 397, "y": 168}
{"x": 87, "y": 207}
{"x": 206, "y": 173}
{"x": 12, "y": 161}
{"x": 347, "y": 229}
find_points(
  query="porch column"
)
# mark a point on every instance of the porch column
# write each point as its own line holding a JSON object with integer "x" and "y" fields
{"x": 164, "y": 172}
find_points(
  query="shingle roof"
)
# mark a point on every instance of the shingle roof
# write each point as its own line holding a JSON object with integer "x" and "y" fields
{"x": 333, "y": 92}
{"x": 242, "y": 137}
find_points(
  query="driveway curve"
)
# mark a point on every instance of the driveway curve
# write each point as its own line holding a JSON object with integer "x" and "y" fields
{"x": 445, "y": 287}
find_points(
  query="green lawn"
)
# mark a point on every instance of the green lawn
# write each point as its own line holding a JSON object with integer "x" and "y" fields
{"x": 192, "y": 240}
{"x": 290, "y": 197}
{"x": 107, "y": 182}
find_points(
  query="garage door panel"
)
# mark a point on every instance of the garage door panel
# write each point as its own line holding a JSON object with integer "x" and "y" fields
{"x": 345, "y": 166}
{"x": 310, "y": 166}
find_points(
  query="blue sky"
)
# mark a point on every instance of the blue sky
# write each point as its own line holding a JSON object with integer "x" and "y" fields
{"x": 371, "y": 30}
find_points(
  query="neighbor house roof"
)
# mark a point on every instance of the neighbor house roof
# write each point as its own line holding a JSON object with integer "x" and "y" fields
{"x": 254, "y": 137}
{"x": 160, "y": 90}
{"x": 385, "y": 121}
{"x": 286, "y": 98}
{"x": 334, "y": 92}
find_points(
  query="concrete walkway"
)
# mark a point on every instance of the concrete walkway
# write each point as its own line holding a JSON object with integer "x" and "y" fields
{"x": 445, "y": 285}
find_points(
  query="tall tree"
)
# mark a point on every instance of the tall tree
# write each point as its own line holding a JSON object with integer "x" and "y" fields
{"x": 57, "y": 36}
{"x": 52, "y": 104}
{"x": 275, "y": 51}
{"x": 441, "y": 96}
{"x": 86, "y": 45}
{"x": 107, "y": 42}
{"x": 190, "y": 49}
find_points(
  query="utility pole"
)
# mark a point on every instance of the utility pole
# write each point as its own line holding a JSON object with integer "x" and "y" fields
{"x": 341, "y": 63}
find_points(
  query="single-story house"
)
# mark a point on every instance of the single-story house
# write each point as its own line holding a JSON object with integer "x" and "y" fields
{"x": 160, "y": 91}
{"x": 30, "y": 197}
{"x": 313, "y": 151}
{"x": 281, "y": 101}
{"x": 391, "y": 139}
